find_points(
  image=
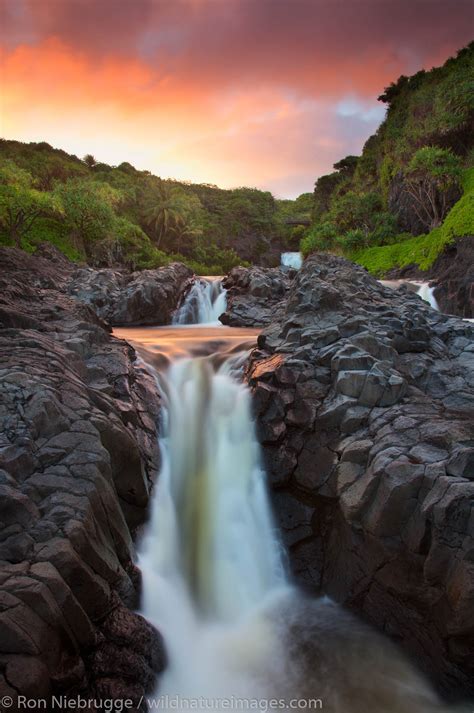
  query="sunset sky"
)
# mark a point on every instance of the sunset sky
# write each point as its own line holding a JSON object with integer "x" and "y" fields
{"x": 266, "y": 93}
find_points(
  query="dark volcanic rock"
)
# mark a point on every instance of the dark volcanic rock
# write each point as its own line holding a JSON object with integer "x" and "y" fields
{"x": 78, "y": 453}
{"x": 453, "y": 274}
{"x": 255, "y": 295}
{"x": 258, "y": 249}
{"x": 365, "y": 400}
{"x": 138, "y": 298}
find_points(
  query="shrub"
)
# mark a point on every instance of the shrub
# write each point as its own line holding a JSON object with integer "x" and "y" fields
{"x": 431, "y": 174}
{"x": 319, "y": 238}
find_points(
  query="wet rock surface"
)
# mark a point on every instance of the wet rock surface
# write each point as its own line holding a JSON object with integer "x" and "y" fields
{"x": 365, "y": 400}
{"x": 78, "y": 454}
{"x": 137, "y": 298}
{"x": 255, "y": 296}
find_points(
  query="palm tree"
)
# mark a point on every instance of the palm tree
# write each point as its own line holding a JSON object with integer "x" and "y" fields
{"x": 89, "y": 160}
{"x": 184, "y": 230}
{"x": 164, "y": 211}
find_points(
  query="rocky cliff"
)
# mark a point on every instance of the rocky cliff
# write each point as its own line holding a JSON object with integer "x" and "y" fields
{"x": 365, "y": 399}
{"x": 132, "y": 298}
{"x": 78, "y": 455}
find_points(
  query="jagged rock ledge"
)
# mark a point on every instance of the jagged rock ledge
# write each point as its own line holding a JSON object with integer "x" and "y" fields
{"x": 78, "y": 455}
{"x": 148, "y": 297}
{"x": 364, "y": 400}
{"x": 255, "y": 295}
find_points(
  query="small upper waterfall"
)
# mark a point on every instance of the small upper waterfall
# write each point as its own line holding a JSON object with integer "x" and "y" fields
{"x": 204, "y": 303}
{"x": 294, "y": 260}
{"x": 427, "y": 294}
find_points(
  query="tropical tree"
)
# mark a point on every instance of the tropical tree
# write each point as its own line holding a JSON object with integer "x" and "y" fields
{"x": 20, "y": 204}
{"x": 88, "y": 210}
{"x": 433, "y": 175}
{"x": 347, "y": 166}
{"x": 184, "y": 233}
{"x": 164, "y": 210}
{"x": 89, "y": 160}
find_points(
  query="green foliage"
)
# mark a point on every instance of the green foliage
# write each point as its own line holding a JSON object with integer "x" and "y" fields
{"x": 218, "y": 260}
{"x": 319, "y": 238}
{"x": 347, "y": 166}
{"x": 45, "y": 164}
{"x": 423, "y": 250}
{"x": 441, "y": 165}
{"x": 201, "y": 223}
{"x": 422, "y": 144}
{"x": 88, "y": 210}
{"x": 430, "y": 175}
{"x": 324, "y": 191}
{"x": 387, "y": 173}
{"x": 21, "y": 205}
{"x": 355, "y": 211}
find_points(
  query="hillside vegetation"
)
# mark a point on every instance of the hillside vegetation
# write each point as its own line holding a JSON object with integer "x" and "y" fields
{"x": 116, "y": 215}
{"x": 410, "y": 193}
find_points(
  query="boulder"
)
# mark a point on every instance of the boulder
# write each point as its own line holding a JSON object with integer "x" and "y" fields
{"x": 255, "y": 295}
{"x": 138, "y": 298}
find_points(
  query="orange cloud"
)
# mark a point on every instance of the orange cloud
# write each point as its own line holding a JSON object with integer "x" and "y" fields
{"x": 231, "y": 92}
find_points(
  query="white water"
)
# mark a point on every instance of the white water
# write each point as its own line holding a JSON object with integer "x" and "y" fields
{"x": 214, "y": 582}
{"x": 422, "y": 289}
{"x": 212, "y": 555}
{"x": 427, "y": 294}
{"x": 294, "y": 260}
{"x": 204, "y": 303}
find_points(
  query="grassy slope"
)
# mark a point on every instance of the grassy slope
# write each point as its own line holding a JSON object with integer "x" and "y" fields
{"x": 424, "y": 249}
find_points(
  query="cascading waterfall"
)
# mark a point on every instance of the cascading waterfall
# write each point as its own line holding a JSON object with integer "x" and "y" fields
{"x": 204, "y": 303}
{"x": 238, "y": 634}
{"x": 212, "y": 554}
{"x": 427, "y": 294}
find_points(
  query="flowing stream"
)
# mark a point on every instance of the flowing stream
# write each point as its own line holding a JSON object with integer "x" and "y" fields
{"x": 238, "y": 633}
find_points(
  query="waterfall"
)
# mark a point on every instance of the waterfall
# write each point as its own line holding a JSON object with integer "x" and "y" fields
{"x": 204, "y": 303}
{"x": 238, "y": 634}
{"x": 294, "y": 260}
{"x": 212, "y": 554}
{"x": 427, "y": 294}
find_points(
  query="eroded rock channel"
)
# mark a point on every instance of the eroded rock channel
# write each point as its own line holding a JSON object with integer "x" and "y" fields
{"x": 364, "y": 401}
